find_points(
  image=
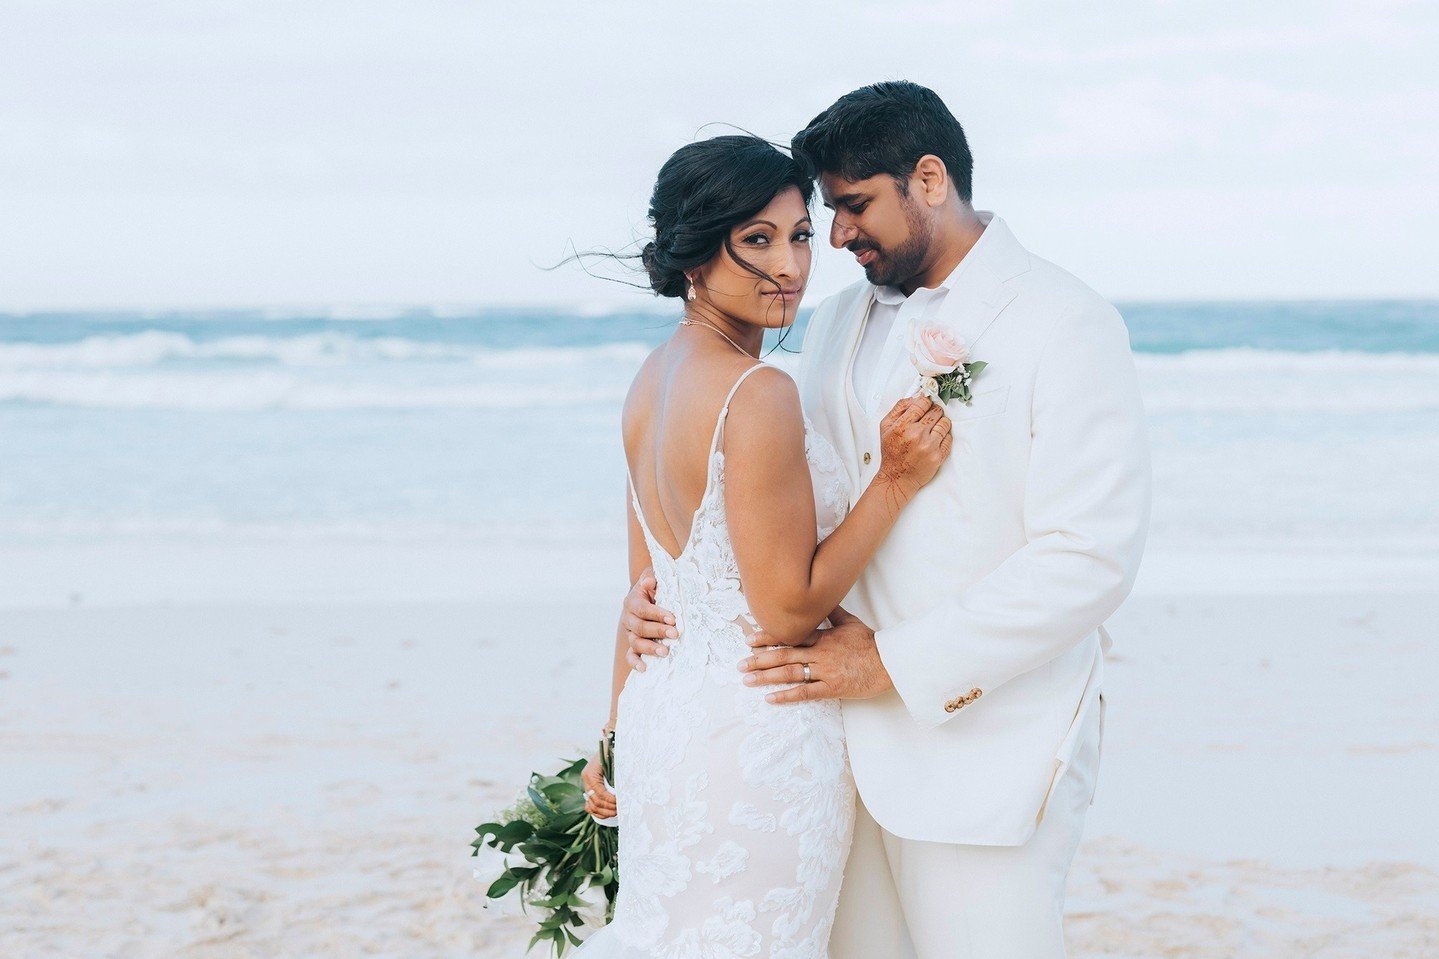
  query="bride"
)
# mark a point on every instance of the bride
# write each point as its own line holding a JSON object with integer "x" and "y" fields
{"x": 735, "y": 814}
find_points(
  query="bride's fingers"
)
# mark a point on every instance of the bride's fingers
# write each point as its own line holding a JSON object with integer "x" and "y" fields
{"x": 914, "y": 408}
{"x": 646, "y": 627}
{"x": 906, "y": 410}
{"x": 646, "y": 647}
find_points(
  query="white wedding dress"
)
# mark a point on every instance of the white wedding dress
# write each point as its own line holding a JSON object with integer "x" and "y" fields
{"x": 735, "y": 814}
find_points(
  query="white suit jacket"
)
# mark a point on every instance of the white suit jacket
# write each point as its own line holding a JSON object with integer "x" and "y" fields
{"x": 989, "y": 595}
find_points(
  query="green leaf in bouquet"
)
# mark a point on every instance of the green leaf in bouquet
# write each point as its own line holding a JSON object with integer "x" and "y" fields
{"x": 515, "y": 832}
{"x": 561, "y": 855}
{"x": 542, "y": 782}
{"x": 568, "y": 822}
{"x": 543, "y": 845}
{"x": 537, "y": 797}
{"x": 505, "y": 835}
{"x": 502, "y": 885}
{"x": 564, "y": 794}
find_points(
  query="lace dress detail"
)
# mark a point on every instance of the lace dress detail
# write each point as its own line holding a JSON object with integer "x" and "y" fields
{"x": 735, "y": 814}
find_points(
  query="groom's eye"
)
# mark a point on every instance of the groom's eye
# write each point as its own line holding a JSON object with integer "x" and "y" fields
{"x": 858, "y": 208}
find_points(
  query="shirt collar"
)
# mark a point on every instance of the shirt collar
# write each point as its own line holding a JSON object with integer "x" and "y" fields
{"x": 893, "y": 295}
{"x": 889, "y": 295}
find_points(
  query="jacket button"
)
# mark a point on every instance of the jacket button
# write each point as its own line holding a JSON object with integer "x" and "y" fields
{"x": 950, "y": 707}
{"x": 866, "y": 459}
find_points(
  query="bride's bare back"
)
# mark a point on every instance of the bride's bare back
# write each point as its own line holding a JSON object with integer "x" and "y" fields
{"x": 791, "y": 580}
{"x": 669, "y": 418}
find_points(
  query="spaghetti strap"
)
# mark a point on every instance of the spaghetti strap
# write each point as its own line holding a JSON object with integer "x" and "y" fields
{"x": 724, "y": 410}
{"x": 710, "y": 469}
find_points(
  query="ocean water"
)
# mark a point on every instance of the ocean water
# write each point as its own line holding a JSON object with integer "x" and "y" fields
{"x": 1299, "y": 425}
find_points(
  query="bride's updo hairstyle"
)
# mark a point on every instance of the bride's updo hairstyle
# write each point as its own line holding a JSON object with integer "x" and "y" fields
{"x": 703, "y": 192}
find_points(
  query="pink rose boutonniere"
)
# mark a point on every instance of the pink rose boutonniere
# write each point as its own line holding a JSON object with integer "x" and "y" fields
{"x": 942, "y": 359}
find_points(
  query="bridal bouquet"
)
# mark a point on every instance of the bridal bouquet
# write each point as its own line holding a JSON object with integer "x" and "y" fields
{"x": 548, "y": 854}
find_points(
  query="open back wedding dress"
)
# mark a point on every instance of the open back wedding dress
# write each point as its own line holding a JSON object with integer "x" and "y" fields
{"x": 735, "y": 814}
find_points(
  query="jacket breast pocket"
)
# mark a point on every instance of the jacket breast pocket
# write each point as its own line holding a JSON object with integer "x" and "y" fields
{"x": 990, "y": 402}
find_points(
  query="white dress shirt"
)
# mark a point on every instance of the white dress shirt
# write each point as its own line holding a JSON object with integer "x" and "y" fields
{"x": 889, "y": 320}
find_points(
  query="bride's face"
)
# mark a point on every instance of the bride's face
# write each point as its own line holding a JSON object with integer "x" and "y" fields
{"x": 776, "y": 242}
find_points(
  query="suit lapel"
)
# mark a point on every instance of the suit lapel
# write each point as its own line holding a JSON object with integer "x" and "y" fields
{"x": 850, "y": 416}
{"x": 828, "y": 352}
{"x": 977, "y": 295}
{"x": 972, "y": 305}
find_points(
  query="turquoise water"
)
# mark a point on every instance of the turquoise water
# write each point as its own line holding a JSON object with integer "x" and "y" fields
{"x": 1281, "y": 421}
{"x": 1382, "y": 326}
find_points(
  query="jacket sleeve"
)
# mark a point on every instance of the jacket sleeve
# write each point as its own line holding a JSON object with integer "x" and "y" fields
{"x": 1086, "y": 513}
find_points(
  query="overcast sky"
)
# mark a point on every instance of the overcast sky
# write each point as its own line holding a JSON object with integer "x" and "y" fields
{"x": 276, "y": 152}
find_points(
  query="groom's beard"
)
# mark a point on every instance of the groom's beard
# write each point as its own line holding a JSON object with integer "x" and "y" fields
{"x": 894, "y": 267}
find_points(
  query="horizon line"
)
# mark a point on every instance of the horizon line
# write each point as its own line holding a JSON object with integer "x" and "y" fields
{"x": 381, "y": 310}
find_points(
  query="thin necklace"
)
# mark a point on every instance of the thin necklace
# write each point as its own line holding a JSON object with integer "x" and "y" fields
{"x": 686, "y": 321}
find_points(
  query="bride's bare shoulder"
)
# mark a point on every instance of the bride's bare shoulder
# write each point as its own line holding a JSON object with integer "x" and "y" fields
{"x": 769, "y": 399}
{"x": 691, "y": 388}
{"x": 645, "y": 388}
{"x": 770, "y": 383}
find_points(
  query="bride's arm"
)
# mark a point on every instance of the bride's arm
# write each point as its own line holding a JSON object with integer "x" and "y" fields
{"x": 639, "y": 563}
{"x": 602, "y": 802}
{"x": 769, "y": 502}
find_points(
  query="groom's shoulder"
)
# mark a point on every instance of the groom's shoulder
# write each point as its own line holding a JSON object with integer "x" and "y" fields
{"x": 1048, "y": 286}
{"x": 1061, "y": 307}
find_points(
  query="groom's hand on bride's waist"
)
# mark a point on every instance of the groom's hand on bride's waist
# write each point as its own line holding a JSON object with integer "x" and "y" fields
{"x": 843, "y": 664}
{"x": 644, "y": 623}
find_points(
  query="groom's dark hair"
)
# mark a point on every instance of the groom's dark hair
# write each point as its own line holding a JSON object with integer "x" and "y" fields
{"x": 885, "y": 128}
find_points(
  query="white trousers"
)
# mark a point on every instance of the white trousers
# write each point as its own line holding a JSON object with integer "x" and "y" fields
{"x": 908, "y": 899}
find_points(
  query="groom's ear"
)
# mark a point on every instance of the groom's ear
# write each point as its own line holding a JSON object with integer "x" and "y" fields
{"x": 931, "y": 180}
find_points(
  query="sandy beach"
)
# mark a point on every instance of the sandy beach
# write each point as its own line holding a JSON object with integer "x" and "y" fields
{"x": 289, "y": 603}
{"x": 317, "y": 327}
{"x": 224, "y": 778}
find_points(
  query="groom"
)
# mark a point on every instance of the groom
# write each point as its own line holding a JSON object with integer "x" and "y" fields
{"x": 971, "y": 658}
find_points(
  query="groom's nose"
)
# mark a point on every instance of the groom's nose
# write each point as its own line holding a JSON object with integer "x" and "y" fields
{"x": 841, "y": 233}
